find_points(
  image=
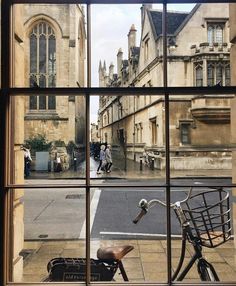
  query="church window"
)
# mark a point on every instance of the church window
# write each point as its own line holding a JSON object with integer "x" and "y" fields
{"x": 42, "y": 65}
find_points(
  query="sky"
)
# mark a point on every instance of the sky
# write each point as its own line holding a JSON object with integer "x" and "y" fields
{"x": 109, "y": 29}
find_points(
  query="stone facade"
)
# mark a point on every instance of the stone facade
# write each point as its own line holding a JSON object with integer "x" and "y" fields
{"x": 18, "y": 169}
{"x": 196, "y": 57}
{"x": 65, "y": 121}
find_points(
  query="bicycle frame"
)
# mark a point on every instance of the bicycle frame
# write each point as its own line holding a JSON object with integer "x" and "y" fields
{"x": 205, "y": 269}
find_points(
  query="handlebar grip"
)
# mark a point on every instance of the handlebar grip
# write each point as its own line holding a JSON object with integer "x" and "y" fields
{"x": 139, "y": 216}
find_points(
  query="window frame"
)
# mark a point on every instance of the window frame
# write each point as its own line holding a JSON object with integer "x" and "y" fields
{"x": 8, "y": 92}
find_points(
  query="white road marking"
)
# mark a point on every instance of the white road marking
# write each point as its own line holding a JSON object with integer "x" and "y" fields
{"x": 138, "y": 234}
{"x": 93, "y": 209}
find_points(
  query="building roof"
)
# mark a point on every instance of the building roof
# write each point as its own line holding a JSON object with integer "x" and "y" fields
{"x": 174, "y": 21}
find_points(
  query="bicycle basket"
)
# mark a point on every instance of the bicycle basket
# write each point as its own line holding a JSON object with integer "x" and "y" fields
{"x": 209, "y": 216}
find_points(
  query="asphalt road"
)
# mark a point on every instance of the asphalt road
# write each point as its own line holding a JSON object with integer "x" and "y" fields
{"x": 60, "y": 213}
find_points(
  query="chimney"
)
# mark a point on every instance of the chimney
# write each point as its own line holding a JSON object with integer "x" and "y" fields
{"x": 119, "y": 61}
{"x": 131, "y": 38}
{"x": 111, "y": 71}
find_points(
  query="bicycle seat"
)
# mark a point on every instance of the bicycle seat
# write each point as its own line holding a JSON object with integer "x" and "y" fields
{"x": 113, "y": 252}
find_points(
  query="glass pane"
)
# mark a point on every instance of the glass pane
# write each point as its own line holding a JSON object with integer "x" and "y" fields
{"x": 42, "y": 54}
{"x": 33, "y": 54}
{"x": 33, "y": 102}
{"x": 132, "y": 128}
{"x": 48, "y": 224}
{"x": 52, "y": 55}
{"x": 51, "y": 102}
{"x": 118, "y": 61}
{"x": 55, "y": 44}
{"x": 55, "y": 138}
{"x": 143, "y": 244}
{"x": 42, "y": 101}
{"x": 202, "y": 39}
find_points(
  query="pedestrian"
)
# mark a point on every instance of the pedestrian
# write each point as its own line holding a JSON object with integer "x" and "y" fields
{"x": 27, "y": 161}
{"x": 102, "y": 159}
{"x": 108, "y": 158}
{"x": 58, "y": 164}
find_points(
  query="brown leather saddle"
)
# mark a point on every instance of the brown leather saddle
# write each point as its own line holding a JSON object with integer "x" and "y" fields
{"x": 113, "y": 252}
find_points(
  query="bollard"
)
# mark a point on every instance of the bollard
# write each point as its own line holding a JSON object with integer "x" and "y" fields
{"x": 152, "y": 163}
{"x": 75, "y": 167}
{"x": 141, "y": 164}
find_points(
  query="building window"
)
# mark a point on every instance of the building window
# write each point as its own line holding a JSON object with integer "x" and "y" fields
{"x": 215, "y": 33}
{"x": 42, "y": 65}
{"x": 218, "y": 73}
{"x": 146, "y": 49}
{"x": 227, "y": 75}
{"x": 153, "y": 123}
{"x": 199, "y": 76}
{"x": 185, "y": 133}
{"x": 210, "y": 75}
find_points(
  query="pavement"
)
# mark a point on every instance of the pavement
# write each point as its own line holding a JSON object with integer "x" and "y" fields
{"x": 148, "y": 261}
{"x": 130, "y": 170}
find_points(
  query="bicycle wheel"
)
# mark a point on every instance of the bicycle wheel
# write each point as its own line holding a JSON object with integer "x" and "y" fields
{"x": 206, "y": 271}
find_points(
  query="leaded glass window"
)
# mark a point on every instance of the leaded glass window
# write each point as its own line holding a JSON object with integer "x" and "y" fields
{"x": 215, "y": 33}
{"x": 42, "y": 65}
{"x": 210, "y": 75}
{"x": 199, "y": 76}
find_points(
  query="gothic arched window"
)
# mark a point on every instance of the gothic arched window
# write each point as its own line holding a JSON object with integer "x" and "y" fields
{"x": 215, "y": 33}
{"x": 42, "y": 65}
{"x": 210, "y": 75}
{"x": 199, "y": 76}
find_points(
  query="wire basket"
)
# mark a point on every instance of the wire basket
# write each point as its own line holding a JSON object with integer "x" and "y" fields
{"x": 209, "y": 216}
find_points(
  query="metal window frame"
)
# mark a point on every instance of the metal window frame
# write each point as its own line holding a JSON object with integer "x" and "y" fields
{"x": 7, "y": 92}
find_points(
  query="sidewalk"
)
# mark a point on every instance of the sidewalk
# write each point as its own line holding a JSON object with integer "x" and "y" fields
{"x": 132, "y": 171}
{"x": 146, "y": 263}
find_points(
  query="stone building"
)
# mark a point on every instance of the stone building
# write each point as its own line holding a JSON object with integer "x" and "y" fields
{"x": 198, "y": 55}
{"x": 54, "y": 49}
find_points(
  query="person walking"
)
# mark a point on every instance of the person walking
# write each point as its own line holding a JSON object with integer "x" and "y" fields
{"x": 27, "y": 161}
{"x": 108, "y": 158}
{"x": 102, "y": 159}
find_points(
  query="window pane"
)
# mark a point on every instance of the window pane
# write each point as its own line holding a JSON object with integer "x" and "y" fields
{"x": 210, "y": 75}
{"x": 33, "y": 54}
{"x": 42, "y": 101}
{"x": 52, "y": 55}
{"x": 145, "y": 242}
{"x": 219, "y": 35}
{"x": 33, "y": 102}
{"x": 134, "y": 132}
{"x": 42, "y": 54}
{"x": 51, "y": 102}
{"x": 113, "y": 64}
{"x": 203, "y": 38}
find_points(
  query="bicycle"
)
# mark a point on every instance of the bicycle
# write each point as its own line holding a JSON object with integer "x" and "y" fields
{"x": 109, "y": 260}
{"x": 205, "y": 225}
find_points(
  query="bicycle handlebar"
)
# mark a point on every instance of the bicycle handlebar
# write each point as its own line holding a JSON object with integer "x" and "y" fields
{"x": 145, "y": 205}
{"x": 139, "y": 216}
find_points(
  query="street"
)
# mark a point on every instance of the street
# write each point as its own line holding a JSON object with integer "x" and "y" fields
{"x": 60, "y": 213}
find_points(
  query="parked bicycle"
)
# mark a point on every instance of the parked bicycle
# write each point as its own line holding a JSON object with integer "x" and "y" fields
{"x": 109, "y": 260}
{"x": 204, "y": 225}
